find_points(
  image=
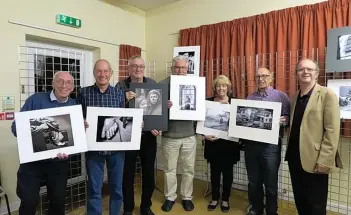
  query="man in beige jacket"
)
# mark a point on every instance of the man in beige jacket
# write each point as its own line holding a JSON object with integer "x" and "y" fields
{"x": 313, "y": 141}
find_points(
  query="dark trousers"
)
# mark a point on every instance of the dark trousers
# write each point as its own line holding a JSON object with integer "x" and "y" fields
{"x": 29, "y": 178}
{"x": 262, "y": 165}
{"x": 310, "y": 190}
{"x": 226, "y": 169}
{"x": 147, "y": 154}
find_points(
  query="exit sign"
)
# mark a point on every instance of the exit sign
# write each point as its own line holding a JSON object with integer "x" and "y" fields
{"x": 68, "y": 21}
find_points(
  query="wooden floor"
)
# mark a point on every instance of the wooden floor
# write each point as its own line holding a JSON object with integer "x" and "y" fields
{"x": 238, "y": 202}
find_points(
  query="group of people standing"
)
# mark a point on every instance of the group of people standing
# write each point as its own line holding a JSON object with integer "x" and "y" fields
{"x": 312, "y": 115}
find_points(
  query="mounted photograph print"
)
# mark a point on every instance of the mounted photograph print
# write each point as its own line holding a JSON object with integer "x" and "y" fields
{"x": 255, "y": 120}
{"x": 216, "y": 121}
{"x": 114, "y": 129}
{"x": 338, "y": 57}
{"x": 342, "y": 88}
{"x": 193, "y": 55}
{"x": 188, "y": 98}
{"x": 42, "y": 134}
{"x": 153, "y": 100}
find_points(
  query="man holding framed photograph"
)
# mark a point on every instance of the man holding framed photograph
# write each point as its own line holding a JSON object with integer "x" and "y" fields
{"x": 148, "y": 147}
{"x": 262, "y": 159}
{"x": 55, "y": 171}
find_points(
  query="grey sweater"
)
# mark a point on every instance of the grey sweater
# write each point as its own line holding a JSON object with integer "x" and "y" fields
{"x": 178, "y": 128}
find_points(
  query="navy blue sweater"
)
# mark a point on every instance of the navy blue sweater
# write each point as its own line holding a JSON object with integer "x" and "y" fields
{"x": 40, "y": 101}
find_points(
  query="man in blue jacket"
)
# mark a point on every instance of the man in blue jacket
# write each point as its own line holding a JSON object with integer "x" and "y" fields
{"x": 54, "y": 171}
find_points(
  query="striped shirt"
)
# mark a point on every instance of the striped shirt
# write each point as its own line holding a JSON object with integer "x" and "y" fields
{"x": 92, "y": 97}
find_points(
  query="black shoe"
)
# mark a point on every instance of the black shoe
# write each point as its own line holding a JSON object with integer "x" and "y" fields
{"x": 211, "y": 206}
{"x": 167, "y": 205}
{"x": 147, "y": 211}
{"x": 128, "y": 213}
{"x": 225, "y": 209}
{"x": 188, "y": 205}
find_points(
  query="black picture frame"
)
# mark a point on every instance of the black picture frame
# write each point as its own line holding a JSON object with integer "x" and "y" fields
{"x": 334, "y": 61}
{"x": 158, "y": 119}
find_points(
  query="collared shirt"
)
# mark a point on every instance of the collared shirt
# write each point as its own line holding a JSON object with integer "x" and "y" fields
{"x": 54, "y": 98}
{"x": 300, "y": 107}
{"x": 274, "y": 95}
{"x": 92, "y": 97}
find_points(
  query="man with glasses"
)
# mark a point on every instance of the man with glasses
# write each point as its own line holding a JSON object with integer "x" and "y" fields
{"x": 148, "y": 147}
{"x": 53, "y": 171}
{"x": 179, "y": 142}
{"x": 262, "y": 159}
{"x": 313, "y": 141}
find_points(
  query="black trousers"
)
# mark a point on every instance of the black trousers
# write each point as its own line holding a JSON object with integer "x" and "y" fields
{"x": 147, "y": 154}
{"x": 29, "y": 178}
{"x": 226, "y": 169}
{"x": 310, "y": 190}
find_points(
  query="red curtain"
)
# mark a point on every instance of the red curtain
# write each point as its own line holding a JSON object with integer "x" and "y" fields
{"x": 275, "y": 40}
{"x": 126, "y": 52}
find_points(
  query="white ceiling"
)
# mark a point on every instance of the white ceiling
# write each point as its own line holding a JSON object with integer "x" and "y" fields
{"x": 146, "y": 4}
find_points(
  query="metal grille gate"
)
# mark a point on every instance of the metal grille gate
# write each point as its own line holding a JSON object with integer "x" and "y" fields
{"x": 339, "y": 198}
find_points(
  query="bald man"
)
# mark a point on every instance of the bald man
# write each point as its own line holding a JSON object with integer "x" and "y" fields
{"x": 54, "y": 171}
{"x": 262, "y": 159}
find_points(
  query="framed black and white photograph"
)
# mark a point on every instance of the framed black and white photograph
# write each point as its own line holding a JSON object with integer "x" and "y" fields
{"x": 193, "y": 55}
{"x": 255, "y": 120}
{"x": 153, "y": 100}
{"x": 342, "y": 88}
{"x": 42, "y": 134}
{"x": 216, "y": 121}
{"x": 188, "y": 98}
{"x": 114, "y": 129}
{"x": 338, "y": 57}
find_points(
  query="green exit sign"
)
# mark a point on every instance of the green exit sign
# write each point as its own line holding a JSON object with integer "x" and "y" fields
{"x": 68, "y": 21}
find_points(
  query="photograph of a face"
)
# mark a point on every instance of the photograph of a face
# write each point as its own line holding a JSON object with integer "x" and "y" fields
{"x": 187, "y": 97}
{"x": 114, "y": 129}
{"x": 345, "y": 47}
{"x": 217, "y": 119}
{"x": 51, "y": 132}
{"x": 191, "y": 63}
{"x": 345, "y": 98}
{"x": 254, "y": 117}
{"x": 150, "y": 100}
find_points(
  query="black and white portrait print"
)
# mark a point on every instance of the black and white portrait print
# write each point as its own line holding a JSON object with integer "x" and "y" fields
{"x": 51, "y": 132}
{"x": 114, "y": 129}
{"x": 191, "y": 61}
{"x": 187, "y": 97}
{"x": 254, "y": 117}
{"x": 217, "y": 119}
{"x": 345, "y": 98}
{"x": 344, "y": 48}
{"x": 150, "y": 100}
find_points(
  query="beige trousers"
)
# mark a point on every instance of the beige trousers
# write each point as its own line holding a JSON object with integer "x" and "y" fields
{"x": 183, "y": 149}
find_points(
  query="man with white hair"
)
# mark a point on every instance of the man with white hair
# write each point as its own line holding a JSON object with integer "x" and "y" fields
{"x": 54, "y": 171}
{"x": 179, "y": 142}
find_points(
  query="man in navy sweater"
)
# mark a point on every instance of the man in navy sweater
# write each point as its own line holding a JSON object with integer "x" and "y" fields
{"x": 53, "y": 171}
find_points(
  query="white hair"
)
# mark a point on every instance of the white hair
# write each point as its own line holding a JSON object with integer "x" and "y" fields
{"x": 60, "y": 72}
{"x": 133, "y": 58}
{"x": 178, "y": 58}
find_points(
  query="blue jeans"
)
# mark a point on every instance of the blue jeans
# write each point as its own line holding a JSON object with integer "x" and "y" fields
{"x": 262, "y": 165}
{"x": 95, "y": 163}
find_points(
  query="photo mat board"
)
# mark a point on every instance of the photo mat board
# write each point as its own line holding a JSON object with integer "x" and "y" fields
{"x": 338, "y": 58}
{"x": 114, "y": 129}
{"x": 342, "y": 88}
{"x": 216, "y": 121}
{"x": 42, "y": 134}
{"x": 188, "y": 98}
{"x": 193, "y": 55}
{"x": 255, "y": 120}
{"x": 153, "y": 100}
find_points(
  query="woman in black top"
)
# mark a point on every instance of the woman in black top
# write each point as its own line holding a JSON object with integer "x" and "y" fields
{"x": 221, "y": 154}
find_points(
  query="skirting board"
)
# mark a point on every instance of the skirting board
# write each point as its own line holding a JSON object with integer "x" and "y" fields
{"x": 13, "y": 207}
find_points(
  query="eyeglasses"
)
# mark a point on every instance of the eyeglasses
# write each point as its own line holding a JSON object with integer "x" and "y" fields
{"x": 134, "y": 66}
{"x": 307, "y": 69}
{"x": 61, "y": 83}
{"x": 261, "y": 76}
{"x": 180, "y": 67}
